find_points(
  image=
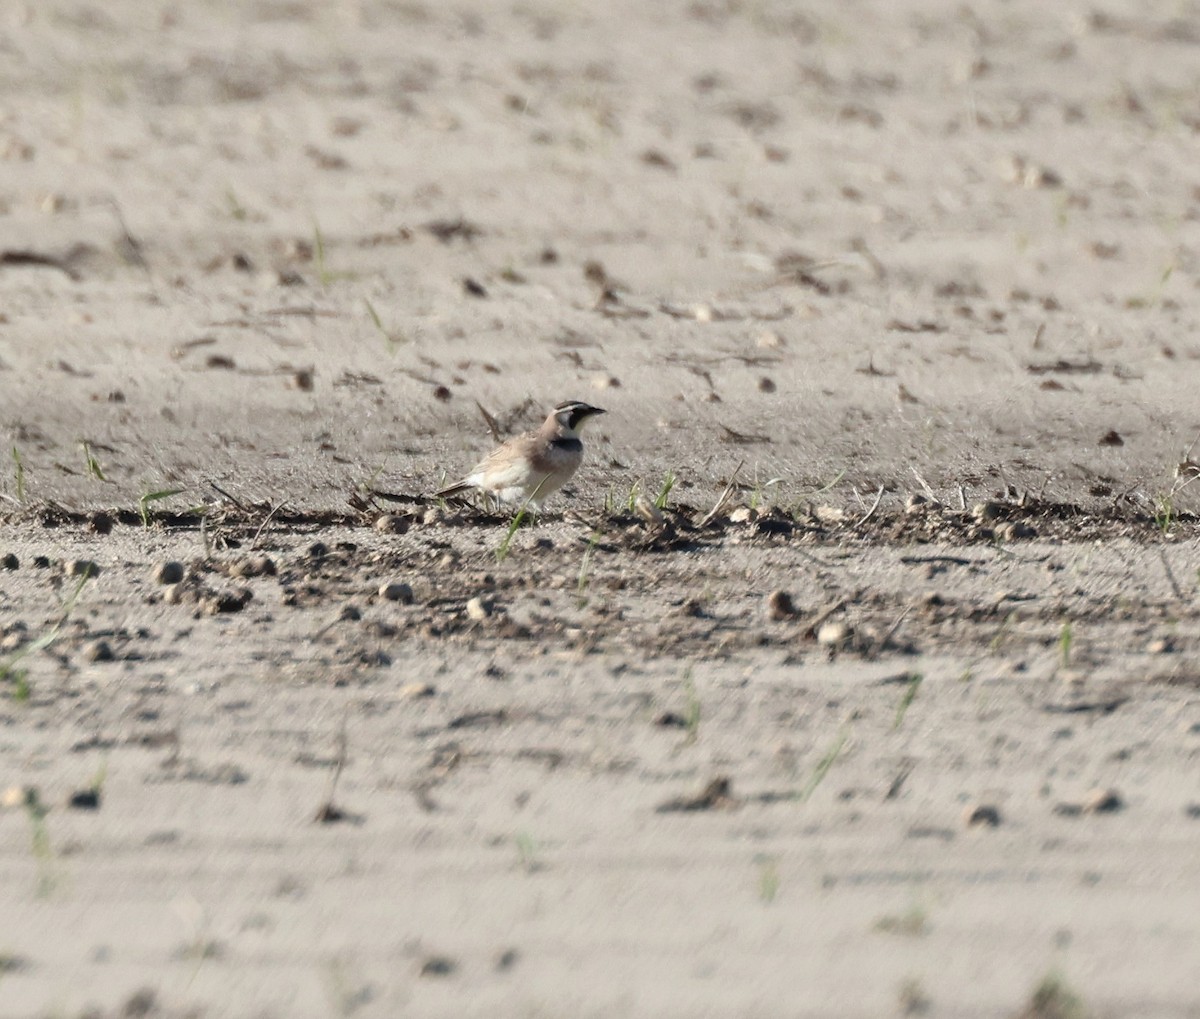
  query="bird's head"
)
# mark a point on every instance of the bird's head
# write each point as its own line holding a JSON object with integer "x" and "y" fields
{"x": 571, "y": 415}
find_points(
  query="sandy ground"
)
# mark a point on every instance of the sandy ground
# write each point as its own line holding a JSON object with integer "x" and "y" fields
{"x": 268, "y": 259}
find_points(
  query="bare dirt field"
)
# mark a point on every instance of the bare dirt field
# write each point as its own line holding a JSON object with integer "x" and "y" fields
{"x": 893, "y": 309}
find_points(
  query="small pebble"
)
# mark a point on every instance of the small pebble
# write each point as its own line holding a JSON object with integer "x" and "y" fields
{"x": 647, "y": 512}
{"x": 84, "y": 799}
{"x": 391, "y": 523}
{"x": 173, "y": 594}
{"x": 780, "y": 605}
{"x": 396, "y": 591}
{"x": 982, "y": 511}
{"x": 834, "y": 633}
{"x": 416, "y": 691}
{"x": 168, "y": 573}
{"x": 438, "y": 966}
{"x": 1014, "y": 529}
{"x": 478, "y": 609}
{"x": 1103, "y": 801}
{"x": 82, "y": 568}
{"x": 98, "y": 651}
{"x": 981, "y": 815}
{"x": 227, "y": 601}
{"x": 15, "y": 796}
{"x": 915, "y": 503}
{"x": 11, "y": 562}
{"x": 255, "y": 566}
{"x": 766, "y": 385}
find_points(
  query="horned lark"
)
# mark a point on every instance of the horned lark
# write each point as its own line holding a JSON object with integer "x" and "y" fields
{"x": 528, "y": 468}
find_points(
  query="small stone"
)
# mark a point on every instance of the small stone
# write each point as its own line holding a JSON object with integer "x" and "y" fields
{"x": 670, "y": 720}
{"x": 303, "y": 380}
{"x": 478, "y": 609}
{"x": 981, "y": 815}
{"x": 396, "y": 591}
{"x": 780, "y": 605}
{"x": 416, "y": 691}
{"x": 438, "y": 966}
{"x": 15, "y": 796}
{"x": 770, "y": 340}
{"x": 255, "y": 566}
{"x": 82, "y": 568}
{"x": 647, "y": 512}
{"x": 1161, "y": 646}
{"x": 391, "y": 523}
{"x": 1103, "y": 801}
{"x": 606, "y": 382}
{"x": 702, "y": 313}
{"x": 834, "y": 633}
{"x": 10, "y": 562}
{"x": 227, "y": 601}
{"x": 433, "y": 515}
{"x": 742, "y": 515}
{"x": 168, "y": 573}
{"x": 98, "y": 651}
{"x": 173, "y": 594}
{"x": 1014, "y": 529}
{"x": 766, "y": 385}
{"x": 983, "y": 511}
{"x": 84, "y": 799}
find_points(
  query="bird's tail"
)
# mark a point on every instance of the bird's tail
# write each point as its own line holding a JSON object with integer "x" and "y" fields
{"x": 453, "y": 490}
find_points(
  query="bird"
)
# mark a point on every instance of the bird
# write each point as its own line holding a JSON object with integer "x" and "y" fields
{"x": 529, "y": 467}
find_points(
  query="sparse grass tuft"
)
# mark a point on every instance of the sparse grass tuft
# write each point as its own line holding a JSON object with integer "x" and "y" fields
{"x": 1053, "y": 998}
{"x": 503, "y": 548}
{"x": 768, "y": 878}
{"x": 823, "y": 766}
{"x": 152, "y": 497}
{"x": 585, "y": 569}
{"x": 664, "y": 493}
{"x": 912, "y": 923}
{"x": 518, "y": 518}
{"x": 910, "y": 694}
{"x": 1065, "y": 638}
{"x": 691, "y": 712}
{"x": 10, "y": 670}
{"x": 93, "y": 465}
{"x": 391, "y": 339}
{"x": 18, "y": 474}
{"x": 36, "y": 811}
{"x": 324, "y": 276}
{"x": 527, "y": 852}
